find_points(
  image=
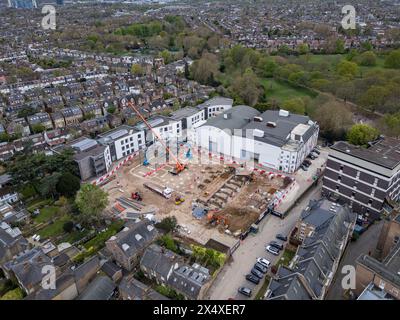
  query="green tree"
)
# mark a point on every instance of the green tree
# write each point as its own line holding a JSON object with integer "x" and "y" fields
{"x": 248, "y": 88}
{"x": 38, "y": 128}
{"x": 295, "y": 105}
{"x": 47, "y": 186}
{"x": 361, "y": 134}
{"x": 68, "y": 226}
{"x": 68, "y": 184}
{"x": 368, "y": 59}
{"x": 303, "y": 48}
{"x": 374, "y": 97}
{"x": 168, "y": 224}
{"x": 393, "y": 60}
{"x": 347, "y": 69}
{"x": 91, "y": 200}
{"x": 136, "y": 69}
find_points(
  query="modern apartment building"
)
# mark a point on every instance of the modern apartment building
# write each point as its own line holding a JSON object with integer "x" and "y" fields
{"x": 123, "y": 141}
{"x": 364, "y": 177}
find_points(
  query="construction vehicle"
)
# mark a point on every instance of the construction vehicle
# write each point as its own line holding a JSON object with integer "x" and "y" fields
{"x": 179, "y": 200}
{"x": 161, "y": 190}
{"x": 214, "y": 218}
{"x": 136, "y": 196}
{"x": 179, "y": 167}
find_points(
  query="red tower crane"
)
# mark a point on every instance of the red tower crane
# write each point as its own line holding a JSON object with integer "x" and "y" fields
{"x": 179, "y": 167}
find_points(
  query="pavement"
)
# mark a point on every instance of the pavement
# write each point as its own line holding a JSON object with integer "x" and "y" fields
{"x": 366, "y": 244}
{"x": 233, "y": 275}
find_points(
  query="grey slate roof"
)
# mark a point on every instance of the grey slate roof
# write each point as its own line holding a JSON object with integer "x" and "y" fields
{"x": 159, "y": 260}
{"x": 316, "y": 257}
{"x": 101, "y": 288}
{"x": 278, "y": 136}
{"x": 216, "y": 101}
{"x": 237, "y": 118}
{"x": 133, "y": 289}
{"x": 135, "y": 236}
{"x": 28, "y": 267}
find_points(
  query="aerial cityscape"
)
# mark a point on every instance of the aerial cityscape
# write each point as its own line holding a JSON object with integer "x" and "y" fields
{"x": 200, "y": 150}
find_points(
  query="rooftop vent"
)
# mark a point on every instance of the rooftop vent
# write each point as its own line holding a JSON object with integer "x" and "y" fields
{"x": 258, "y": 133}
{"x": 125, "y": 247}
{"x": 227, "y": 116}
{"x": 271, "y": 124}
{"x": 283, "y": 113}
{"x": 258, "y": 119}
{"x": 138, "y": 237}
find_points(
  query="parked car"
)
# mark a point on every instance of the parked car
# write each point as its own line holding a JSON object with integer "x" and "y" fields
{"x": 305, "y": 168}
{"x": 252, "y": 278}
{"x": 311, "y": 156}
{"x": 276, "y": 245}
{"x": 314, "y": 154}
{"x": 272, "y": 250}
{"x": 281, "y": 237}
{"x": 307, "y": 162}
{"x": 315, "y": 150}
{"x": 264, "y": 262}
{"x": 245, "y": 291}
{"x": 260, "y": 267}
{"x": 257, "y": 273}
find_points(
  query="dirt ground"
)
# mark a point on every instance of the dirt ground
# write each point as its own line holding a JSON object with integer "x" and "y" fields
{"x": 197, "y": 184}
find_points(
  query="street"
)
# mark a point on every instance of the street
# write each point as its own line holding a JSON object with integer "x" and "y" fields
{"x": 233, "y": 275}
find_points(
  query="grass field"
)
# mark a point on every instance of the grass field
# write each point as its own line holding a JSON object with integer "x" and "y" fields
{"x": 282, "y": 91}
{"x": 55, "y": 229}
{"x": 46, "y": 214}
{"x": 286, "y": 257}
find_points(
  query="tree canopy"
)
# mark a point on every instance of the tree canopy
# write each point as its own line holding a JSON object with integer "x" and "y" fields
{"x": 361, "y": 134}
{"x": 91, "y": 200}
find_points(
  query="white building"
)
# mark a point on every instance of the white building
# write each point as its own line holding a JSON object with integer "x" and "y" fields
{"x": 275, "y": 139}
{"x": 123, "y": 141}
{"x": 215, "y": 106}
{"x": 165, "y": 128}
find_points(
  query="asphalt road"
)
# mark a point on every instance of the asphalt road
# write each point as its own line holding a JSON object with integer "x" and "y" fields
{"x": 233, "y": 274}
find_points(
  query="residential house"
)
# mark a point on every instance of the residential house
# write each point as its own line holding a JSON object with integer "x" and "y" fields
{"x": 127, "y": 245}
{"x": 41, "y": 118}
{"x": 315, "y": 263}
{"x": 58, "y": 119}
{"x": 27, "y": 269}
{"x": 7, "y": 192}
{"x": 101, "y": 288}
{"x": 12, "y": 243}
{"x": 72, "y": 115}
{"x": 132, "y": 289}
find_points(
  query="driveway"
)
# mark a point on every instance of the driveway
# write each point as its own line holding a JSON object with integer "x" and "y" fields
{"x": 233, "y": 274}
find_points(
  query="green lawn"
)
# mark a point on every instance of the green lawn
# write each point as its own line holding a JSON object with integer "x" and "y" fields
{"x": 285, "y": 258}
{"x": 75, "y": 236}
{"x": 55, "y": 229}
{"x": 98, "y": 241}
{"x": 282, "y": 91}
{"x": 263, "y": 289}
{"x": 46, "y": 214}
{"x": 15, "y": 294}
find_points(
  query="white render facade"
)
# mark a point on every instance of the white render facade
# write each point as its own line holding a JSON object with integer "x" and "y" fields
{"x": 123, "y": 141}
{"x": 282, "y": 144}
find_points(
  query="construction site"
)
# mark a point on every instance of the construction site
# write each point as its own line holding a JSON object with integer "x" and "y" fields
{"x": 210, "y": 197}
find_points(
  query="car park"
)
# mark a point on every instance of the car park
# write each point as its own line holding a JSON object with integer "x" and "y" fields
{"x": 272, "y": 250}
{"x": 260, "y": 267}
{"x": 252, "y": 278}
{"x": 257, "y": 273}
{"x": 276, "y": 245}
{"x": 264, "y": 262}
{"x": 281, "y": 237}
{"x": 245, "y": 291}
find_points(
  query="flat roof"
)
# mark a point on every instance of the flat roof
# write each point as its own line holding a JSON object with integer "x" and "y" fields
{"x": 184, "y": 112}
{"x": 385, "y": 152}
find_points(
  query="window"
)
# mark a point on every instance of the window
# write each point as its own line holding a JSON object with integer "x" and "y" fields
{"x": 131, "y": 138}
{"x": 123, "y": 148}
{"x": 341, "y": 167}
